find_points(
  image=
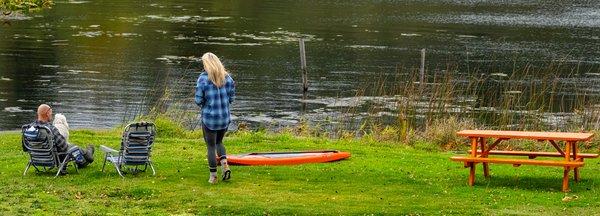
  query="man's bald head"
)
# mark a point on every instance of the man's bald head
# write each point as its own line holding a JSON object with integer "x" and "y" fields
{"x": 44, "y": 113}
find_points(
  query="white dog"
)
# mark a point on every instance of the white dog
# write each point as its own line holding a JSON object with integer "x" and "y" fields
{"x": 60, "y": 122}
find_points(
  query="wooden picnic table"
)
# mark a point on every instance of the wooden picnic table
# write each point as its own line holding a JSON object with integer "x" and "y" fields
{"x": 573, "y": 160}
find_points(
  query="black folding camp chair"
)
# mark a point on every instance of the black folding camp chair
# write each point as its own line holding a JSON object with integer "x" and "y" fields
{"x": 38, "y": 142}
{"x": 136, "y": 149}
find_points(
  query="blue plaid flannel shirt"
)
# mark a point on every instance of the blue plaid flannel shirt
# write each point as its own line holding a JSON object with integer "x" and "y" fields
{"x": 214, "y": 101}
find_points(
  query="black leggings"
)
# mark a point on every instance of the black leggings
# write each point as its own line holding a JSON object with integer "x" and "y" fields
{"x": 214, "y": 145}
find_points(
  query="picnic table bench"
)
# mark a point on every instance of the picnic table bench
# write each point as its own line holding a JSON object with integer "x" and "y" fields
{"x": 573, "y": 160}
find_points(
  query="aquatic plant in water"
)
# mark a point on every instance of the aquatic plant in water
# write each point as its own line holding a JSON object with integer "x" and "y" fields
{"x": 8, "y": 6}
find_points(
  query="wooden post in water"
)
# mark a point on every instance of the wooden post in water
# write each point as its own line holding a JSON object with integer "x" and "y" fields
{"x": 422, "y": 70}
{"x": 303, "y": 66}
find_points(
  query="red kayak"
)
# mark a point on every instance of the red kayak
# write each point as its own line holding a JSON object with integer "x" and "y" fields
{"x": 286, "y": 158}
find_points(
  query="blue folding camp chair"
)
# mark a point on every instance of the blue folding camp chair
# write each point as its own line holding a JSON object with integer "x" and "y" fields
{"x": 136, "y": 149}
{"x": 38, "y": 142}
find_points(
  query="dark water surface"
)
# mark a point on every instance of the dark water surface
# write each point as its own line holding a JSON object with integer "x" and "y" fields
{"x": 102, "y": 62}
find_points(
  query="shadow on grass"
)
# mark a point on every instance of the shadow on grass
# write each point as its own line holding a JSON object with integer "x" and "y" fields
{"x": 532, "y": 183}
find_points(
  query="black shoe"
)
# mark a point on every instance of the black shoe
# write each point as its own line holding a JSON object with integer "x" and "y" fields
{"x": 89, "y": 154}
{"x": 90, "y": 149}
{"x": 226, "y": 175}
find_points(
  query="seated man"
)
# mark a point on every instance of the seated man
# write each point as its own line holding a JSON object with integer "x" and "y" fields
{"x": 82, "y": 157}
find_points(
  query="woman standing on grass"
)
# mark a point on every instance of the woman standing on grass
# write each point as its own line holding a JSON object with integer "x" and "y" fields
{"x": 215, "y": 91}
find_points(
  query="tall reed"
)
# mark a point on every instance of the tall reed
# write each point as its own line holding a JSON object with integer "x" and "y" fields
{"x": 528, "y": 98}
{"x": 556, "y": 97}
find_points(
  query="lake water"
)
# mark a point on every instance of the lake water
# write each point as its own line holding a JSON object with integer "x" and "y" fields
{"x": 102, "y": 62}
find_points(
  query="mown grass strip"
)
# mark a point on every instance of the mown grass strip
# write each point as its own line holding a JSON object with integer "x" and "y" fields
{"x": 382, "y": 178}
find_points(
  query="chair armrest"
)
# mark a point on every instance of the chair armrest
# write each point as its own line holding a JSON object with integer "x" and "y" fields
{"x": 108, "y": 150}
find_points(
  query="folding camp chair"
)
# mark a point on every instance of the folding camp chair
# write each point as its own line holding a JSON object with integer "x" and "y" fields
{"x": 38, "y": 142}
{"x": 136, "y": 148}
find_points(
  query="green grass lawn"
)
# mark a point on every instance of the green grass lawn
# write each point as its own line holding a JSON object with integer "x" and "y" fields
{"x": 379, "y": 178}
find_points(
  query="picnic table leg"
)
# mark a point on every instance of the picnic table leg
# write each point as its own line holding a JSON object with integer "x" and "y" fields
{"x": 471, "y": 174}
{"x": 576, "y": 169}
{"x": 486, "y": 168}
{"x": 565, "y": 184}
{"x": 472, "y": 165}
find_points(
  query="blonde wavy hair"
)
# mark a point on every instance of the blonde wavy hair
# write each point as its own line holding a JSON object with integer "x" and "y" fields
{"x": 215, "y": 69}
